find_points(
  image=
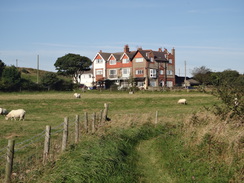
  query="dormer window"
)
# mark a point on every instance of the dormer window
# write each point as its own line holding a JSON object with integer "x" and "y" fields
{"x": 152, "y": 59}
{"x": 112, "y": 62}
{"x": 125, "y": 60}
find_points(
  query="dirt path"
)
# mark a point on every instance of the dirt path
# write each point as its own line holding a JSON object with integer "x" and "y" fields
{"x": 150, "y": 164}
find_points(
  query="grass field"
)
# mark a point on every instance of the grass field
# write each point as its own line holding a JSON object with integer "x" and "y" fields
{"x": 49, "y": 108}
{"x": 125, "y": 111}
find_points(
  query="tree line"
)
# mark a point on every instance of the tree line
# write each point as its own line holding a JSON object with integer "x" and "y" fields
{"x": 68, "y": 65}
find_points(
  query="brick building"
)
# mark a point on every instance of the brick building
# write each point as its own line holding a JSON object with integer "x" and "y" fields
{"x": 143, "y": 68}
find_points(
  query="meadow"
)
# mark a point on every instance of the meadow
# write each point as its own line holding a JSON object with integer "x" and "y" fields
{"x": 128, "y": 115}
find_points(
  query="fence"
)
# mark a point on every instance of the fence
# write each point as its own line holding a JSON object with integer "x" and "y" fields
{"x": 20, "y": 159}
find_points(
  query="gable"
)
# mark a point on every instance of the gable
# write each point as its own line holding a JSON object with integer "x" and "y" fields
{"x": 125, "y": 56}
{"x": 98, "y": 56}
{"x": 138, "y": 55}
{"x": 111, "y": 58}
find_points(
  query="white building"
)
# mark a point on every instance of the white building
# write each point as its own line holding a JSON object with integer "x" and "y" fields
{"x": 86, "y": 78}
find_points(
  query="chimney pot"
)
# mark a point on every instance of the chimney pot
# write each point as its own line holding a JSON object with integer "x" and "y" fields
{"x": 126, "y": 49}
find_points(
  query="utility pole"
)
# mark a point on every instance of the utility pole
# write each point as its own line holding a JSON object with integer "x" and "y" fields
{"x": 16, "y": 62}
{"x": 37, "y": 75}
{"x": 185, "y": 74}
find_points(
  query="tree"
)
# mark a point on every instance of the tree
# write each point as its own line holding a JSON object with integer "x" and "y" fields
{"x": 202, "y": 74}
{"x": 11, "y": 78}
{"x": 2, "y": 66}
{"x": 50, "y": 80}
{"x": 70, "y": 64}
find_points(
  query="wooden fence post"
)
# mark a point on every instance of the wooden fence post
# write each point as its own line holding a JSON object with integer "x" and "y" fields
{"x": 46, "y": 144}
{"x": 77, "y": 128}
{"x": 156, "y": 119}
{"x": 93, "y": 123}
{"x": 10, "y": 158}
{"x": 105, "y": 112}
{"x": 86, "y": 122}
{"x": 65, "y": 134}
{"x": 101, "y": 117}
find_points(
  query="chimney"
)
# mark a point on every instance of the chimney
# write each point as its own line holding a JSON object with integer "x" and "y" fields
{"x": 160, "y": 50}
{"x": 126, "y": 49}
{"x": 173, "y": 51}
{"x": 100, "y": 51}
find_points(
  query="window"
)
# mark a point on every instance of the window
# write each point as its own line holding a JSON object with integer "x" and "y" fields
{"x": 140, "y": 84}
{"x": 99, "y": 72}
{"x": 112, "y": 62}
{"x": 169, "y": 83}
{"x": 153, "y": 73}
{"x": 99, "y": 61}
{"x": 152, "y": 59}
{"x": 125, "y": 72}
{"x": 169, "y": 72}
{"x": 161, "y": 72}
{"x": 125, "y": 60}
{"x": 170, "y": 61}
{"x": 139, "y": 59}
{"x": 138, "y": 72}
{"x": 112, "y": 73}
{"x": 153, "y": 83}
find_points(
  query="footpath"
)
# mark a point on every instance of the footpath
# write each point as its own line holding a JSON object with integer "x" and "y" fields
{"x": 150, "y": 164}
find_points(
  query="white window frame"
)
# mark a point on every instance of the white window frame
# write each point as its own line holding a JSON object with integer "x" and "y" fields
{"x": 127, "y": 74}
{"x": 140, "y": 83}
{"x": 161, "y": 72}
{"x": 169, "y": 72}
{"x": 169, "y": 83}
{"x": 153, "y": 83}
{"x": 153, "y": 73}
{"x": 125, "y": 60}
{"x": 139, "y": 59}
{"x": 112, "y": 62}
{"x": 99, "y": 72}
{"x": 99, "y": 61}
{"x": 170, "y": 61}
{"x": 112, "y": 75}
{"x": 139, "y": 71}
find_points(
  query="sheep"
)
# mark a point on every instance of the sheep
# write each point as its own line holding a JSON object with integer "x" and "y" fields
{"x": 19, "y": 113}
{"x": 3, "y": 111}
{"x": 182, "y": 101}
{"x": 77, "y": 95}
{"x": 236, "y": 102}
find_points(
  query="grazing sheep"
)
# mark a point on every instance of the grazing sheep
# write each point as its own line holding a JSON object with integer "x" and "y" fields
{"x": 182, "y": 101}
{"x": 3, "y": 111}
{"x": 77, "y": 95}
{"x": 236, "y": 102}
{"x": 19, "y": 113}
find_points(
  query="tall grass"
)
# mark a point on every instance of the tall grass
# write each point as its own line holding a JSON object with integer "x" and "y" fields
{"x": 111, "y": 155}
{"x": 106, "y": 158}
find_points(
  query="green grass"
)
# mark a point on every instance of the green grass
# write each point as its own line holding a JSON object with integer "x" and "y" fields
{"x": 127, "y": 113}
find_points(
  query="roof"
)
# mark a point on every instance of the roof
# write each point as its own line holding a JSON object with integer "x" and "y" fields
{"x": 105, "y": 55}
{"x": 157, "y": 55}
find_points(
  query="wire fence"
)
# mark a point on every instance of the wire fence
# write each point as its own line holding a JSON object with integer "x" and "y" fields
{"x": 29, "y": 154}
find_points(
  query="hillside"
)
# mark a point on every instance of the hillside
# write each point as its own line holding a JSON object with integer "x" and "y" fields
{"x": 31, "y": 74}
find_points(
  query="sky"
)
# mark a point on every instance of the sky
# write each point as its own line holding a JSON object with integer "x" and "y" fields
{"x": 206, "y": 33}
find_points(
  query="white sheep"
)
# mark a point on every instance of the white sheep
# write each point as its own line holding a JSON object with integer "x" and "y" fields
{"x": 3, "y": 111}
{"x": 236, "y": 102}
{"x": 19, "y": 113}
{"x": 182, "y": 101}
{"x": 77, "y": 95}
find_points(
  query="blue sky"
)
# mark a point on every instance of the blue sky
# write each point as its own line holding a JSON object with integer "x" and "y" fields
{"x": 203, "y": 32}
